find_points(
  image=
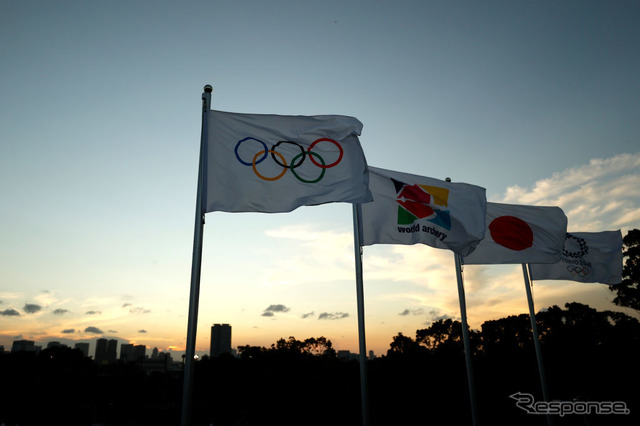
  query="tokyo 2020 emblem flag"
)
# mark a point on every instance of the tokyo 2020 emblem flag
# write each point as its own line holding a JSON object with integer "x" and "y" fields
{"x": 273, "y": 163}
{"x": 588, "y": 257}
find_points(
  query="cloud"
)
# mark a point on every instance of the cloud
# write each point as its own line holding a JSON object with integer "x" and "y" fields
{"x": 437, "y": 315}
{"x": 31, "y": 308}
{"x": 69, "y": 331}
{"x": 60, "y": 311}
{"x": 594, "y": 196}
{"x": 93, "y": 330}
{"x": 142, "y": 330}
{"x": 330, "y": 250}
{"x": 407, "y": 312}
{"x": 275, "y": 308}
{"x": 10, "y": 313}
{"x": 333, "y": 315}
{"x": 307, "y": 315}
{"x": 139, "y": 310}
{"x": 126, "y": 304}
{"x": 93, "y": 313}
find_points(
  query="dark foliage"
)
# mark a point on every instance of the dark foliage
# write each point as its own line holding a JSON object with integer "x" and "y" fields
{"x": 628, "y": 292}
{"x": 588, "y": 355}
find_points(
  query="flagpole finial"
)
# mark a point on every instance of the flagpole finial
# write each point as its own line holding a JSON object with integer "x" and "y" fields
{"x": 208, "y": 88}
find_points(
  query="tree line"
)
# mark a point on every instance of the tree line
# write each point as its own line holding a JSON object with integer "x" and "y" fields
{"x": 589, "y": 355}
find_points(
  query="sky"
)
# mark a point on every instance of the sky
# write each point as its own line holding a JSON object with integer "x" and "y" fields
{"x": 537, "y": 102}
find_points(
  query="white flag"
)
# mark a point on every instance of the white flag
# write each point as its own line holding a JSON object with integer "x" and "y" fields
{"x": 521, "y": 234}
{"x": 588, "y": 257}
{"x": 274, "y": 163}
{"x": 410, "y": 209}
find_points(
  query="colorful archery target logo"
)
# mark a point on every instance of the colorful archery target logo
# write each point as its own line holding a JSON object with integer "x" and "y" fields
{"x": 422, "y": 202}
{"x": 289, "y": 155}
{"x": 511, "y": 232}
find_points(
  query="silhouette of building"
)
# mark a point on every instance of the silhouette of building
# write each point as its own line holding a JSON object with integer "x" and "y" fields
{"x": 346, "y": 355}
{"x": 112, "y": 350}
{"x": 24, "y": 346}
{"x": 139, "y": 352}
{"x": 83, "y": 347}
{"x": 220, "y": 339}
{"x": 100, "y": 356}
{"x": 130, "y": 352}
{"x": 126, "y": 352}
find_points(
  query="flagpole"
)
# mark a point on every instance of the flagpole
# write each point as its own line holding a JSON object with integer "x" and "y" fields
{"x": 536, "y": 340}
{"x": 465, "y": 338}
{"x": 364, "y": 392}
{"x": 196, "y": 265}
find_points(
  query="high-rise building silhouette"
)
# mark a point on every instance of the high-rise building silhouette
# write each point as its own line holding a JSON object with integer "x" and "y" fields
{"x": 24, "y": 345}
{"x": 220, "y": 339}
{"x": 126, "y": 352}
{"x": 106, "y": 351}
{"x": 139, "y": 352}
{"x": 83, "y": 347}
{"x": 100, "y": 356}
{"x": 112, "y": 350}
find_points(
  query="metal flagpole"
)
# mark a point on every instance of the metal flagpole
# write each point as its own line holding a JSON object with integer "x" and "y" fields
{"x": 465, "y": 338}
{"x": 196, "y": 265}
{"x": 364, "y": 387}
{"x": 536, "y": 340}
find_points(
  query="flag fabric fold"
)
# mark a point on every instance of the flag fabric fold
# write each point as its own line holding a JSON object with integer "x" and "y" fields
{"x": 275, "y": 163}
{"x": 588, "y": 257}
{"x": 520, "y": 234}
{"x": 411, "y": 209}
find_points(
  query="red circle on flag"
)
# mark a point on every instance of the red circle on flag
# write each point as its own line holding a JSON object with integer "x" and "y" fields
{"x": 511, "y": 232}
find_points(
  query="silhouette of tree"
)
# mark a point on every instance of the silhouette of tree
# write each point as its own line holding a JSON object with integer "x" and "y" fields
{"x": 446, "y": 336}
{"x": 507, "y": 335}
{"x": 250, "y": 352}
{"x": 319, "y": 346}
{"x": 628, "y": 292}
{"x": 403, "y": 345}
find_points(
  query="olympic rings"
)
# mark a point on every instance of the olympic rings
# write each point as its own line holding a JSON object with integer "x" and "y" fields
{"x": 579, "y": 271}
{"x": 254, "y": 162}
{"x": 255, "y": 170}
{"x": 311, "y": 154}
{"x": 296, "y": 162}
{"x": 293, "y": 162}
{"x": 326, "y": 140}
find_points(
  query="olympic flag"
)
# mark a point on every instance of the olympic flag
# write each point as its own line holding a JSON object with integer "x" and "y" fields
{"x": 588, "y": 257}
{"x": 410, "y": 209}
{"x": 274, "y": 163}
{"x": 521, "y": 234}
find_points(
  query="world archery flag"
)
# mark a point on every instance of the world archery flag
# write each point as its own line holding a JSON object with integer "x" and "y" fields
{"x": 411, "y": 209}
{"x": 274, "y": 163}
{"x": 521, "y": 234}
{"x": 588, "y": 257}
